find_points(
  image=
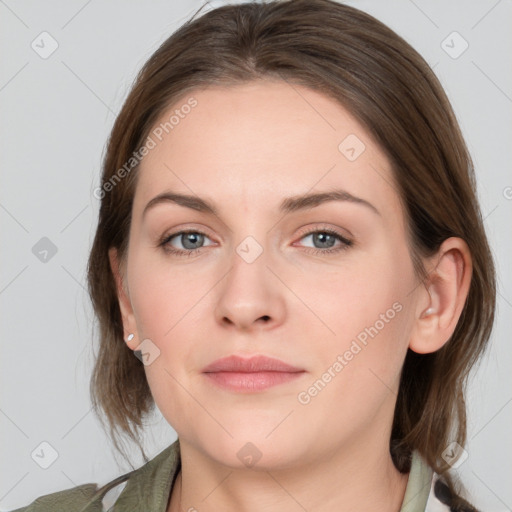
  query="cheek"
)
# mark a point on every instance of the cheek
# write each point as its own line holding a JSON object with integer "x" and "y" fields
{"x": 364, "y": 321}
{"x": 168, "y": 305}
{"x": 358, "y": 372}
{"x": 368, "y": 294}
{"x": 163, "y": 295}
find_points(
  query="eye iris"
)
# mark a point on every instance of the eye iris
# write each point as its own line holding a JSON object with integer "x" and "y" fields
{"x": 322, "y": 237}
{"x": 196, "y": 237}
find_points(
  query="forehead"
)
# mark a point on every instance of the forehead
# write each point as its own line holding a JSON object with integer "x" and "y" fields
{"x": 261, "y": 140}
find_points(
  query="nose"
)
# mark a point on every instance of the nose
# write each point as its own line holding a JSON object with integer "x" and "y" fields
{"x": 250, "y": 295}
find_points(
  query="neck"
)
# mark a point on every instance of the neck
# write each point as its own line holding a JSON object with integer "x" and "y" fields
{"x": 357, "y": 478}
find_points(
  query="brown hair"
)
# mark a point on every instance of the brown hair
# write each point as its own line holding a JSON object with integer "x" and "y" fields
{"x": 385, "y": 84}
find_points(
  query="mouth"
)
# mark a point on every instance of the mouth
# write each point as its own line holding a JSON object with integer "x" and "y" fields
{"x": 250, "y": 375}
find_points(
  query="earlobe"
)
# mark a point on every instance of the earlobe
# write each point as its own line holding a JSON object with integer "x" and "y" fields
{"x": 123, "y": 300}
{"x": 443, "y": 297}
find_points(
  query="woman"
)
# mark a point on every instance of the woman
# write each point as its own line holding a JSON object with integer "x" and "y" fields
{"x": 290, "y": 244}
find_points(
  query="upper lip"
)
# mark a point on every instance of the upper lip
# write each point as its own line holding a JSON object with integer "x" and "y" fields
{"x": 254, "y": 364}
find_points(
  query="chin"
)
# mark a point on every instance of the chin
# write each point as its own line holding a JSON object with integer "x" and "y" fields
{"x": 253, "y": 450}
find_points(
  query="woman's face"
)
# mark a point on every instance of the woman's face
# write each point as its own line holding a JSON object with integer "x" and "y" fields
{"x": 325, "y": 286}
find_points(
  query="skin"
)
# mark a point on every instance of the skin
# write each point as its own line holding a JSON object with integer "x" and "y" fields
{"x": 246, "y": 148}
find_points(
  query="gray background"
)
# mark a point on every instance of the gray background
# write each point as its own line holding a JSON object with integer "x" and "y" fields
{"x": 57, "y": 113}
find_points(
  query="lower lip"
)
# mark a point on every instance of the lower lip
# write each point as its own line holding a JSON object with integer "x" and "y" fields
{"x": 250, "y": 382}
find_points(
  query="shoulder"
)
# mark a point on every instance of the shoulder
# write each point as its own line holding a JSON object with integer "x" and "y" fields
{"x": 152, "y": 476}
{"x": 69, "y": 500}
{"x": 82, "y": 498}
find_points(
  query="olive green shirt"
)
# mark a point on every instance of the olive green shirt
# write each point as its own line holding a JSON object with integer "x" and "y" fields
{"x": 147, "y": 489}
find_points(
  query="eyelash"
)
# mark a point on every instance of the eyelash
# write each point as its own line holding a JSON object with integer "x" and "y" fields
{"x": 346, "y": 243}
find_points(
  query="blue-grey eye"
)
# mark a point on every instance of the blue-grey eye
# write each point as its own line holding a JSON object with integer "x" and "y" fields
{"x": 189, "y": 240}
{"x": 326, "y": 240}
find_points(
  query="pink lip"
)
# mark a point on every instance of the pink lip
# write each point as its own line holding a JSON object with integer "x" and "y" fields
{"x": 248, "y": 375}
{"x": 250, "y": 365}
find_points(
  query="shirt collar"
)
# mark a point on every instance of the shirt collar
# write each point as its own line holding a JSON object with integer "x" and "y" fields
{"x": 162, "y": 470}
{"x": 418, "y": 486}
{"x": 149, "y": 487}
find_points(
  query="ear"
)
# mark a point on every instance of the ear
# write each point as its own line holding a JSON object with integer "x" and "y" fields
{"x": 125, "y": 305}
{"x": 442, "y": 297}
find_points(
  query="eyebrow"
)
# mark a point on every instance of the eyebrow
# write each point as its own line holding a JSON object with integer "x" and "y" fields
{"x": 288, "y": 205}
